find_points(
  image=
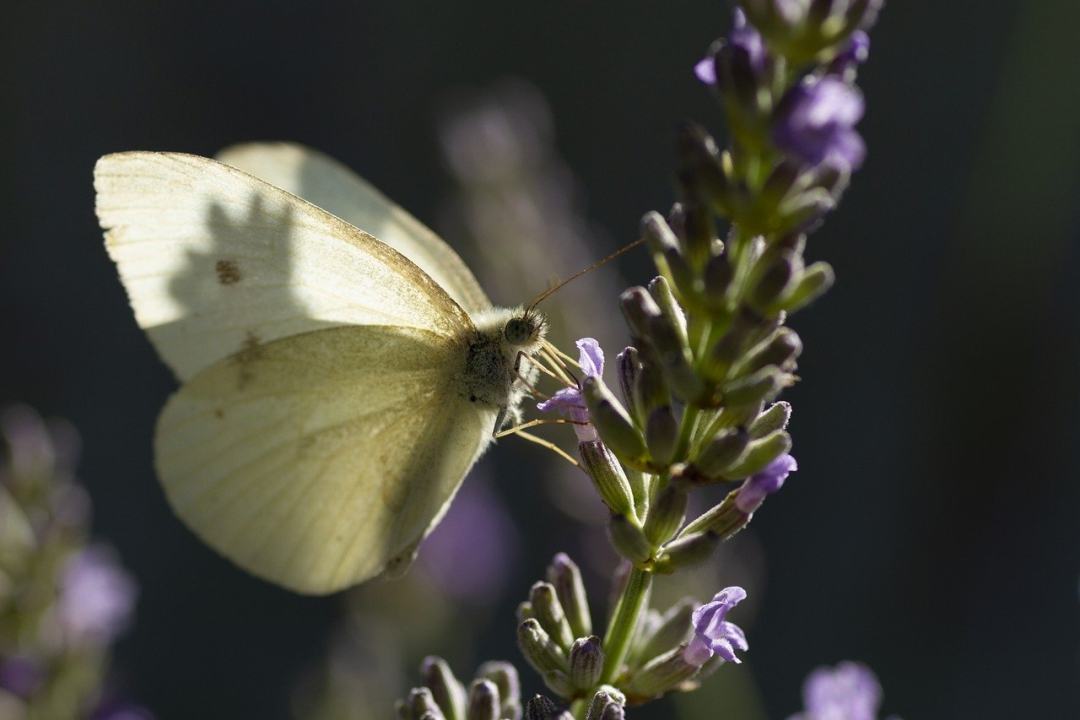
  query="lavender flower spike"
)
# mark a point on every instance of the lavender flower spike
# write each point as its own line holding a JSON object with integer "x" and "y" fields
{"x": 850, "y": 691}
{"x": 570, "y": 400}
{"x": 713, "y": 634}
{"x": 815, "y": 123}
{"x": 765, "y": 482}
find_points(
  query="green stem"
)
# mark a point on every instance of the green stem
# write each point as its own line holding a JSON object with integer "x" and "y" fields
{"x": 624, "y": 622}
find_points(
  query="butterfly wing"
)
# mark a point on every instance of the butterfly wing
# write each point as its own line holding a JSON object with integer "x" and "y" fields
{"x": 319, "y": 460}
{"x": 327, "y": 183}
{"x": 214, "y": 260}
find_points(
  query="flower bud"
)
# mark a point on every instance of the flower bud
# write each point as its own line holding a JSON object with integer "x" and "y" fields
{"x": 666, "y": 515}
{"x": 700, "y": 168}
{"x": 662, "y": 435}
{"x": 540, "y": 708}
{"x": 639, "y": 308}
{"x": 672, "y": 630}
{"x": 778, "y": 185}
{"x": 780, "y": 350}
{"x": 565, "y": 577}
{"x": 805, "y": 210}
{"x": 628, "y": 365}
{"x": 539, "y": 649}
{"x": 629, "y": 539}
{"x": 608, "y": 477}
{"x": 773, "y": 281}
{"x": 812, "y": 284}
{"x": 559, "y": 683}
{"x": 550, "y": 614}
{"x": 586, "y": 662}
{"x": 727, "y": 351}
{"x": 687, "y": 551}
{"x": 525, "y": 611}
{"x": 775, "y": 418}
{"x": 722, "y": 452}
{"x": 759, "y": 454}
{"x": 660, "y": 675}
{"x": 606, "y": 700}
{"x": 758, "y": 387}
{"x": 724, "y": 519}
{"x": 447, "y": 692}
{"x": 717, "y": 278}
{"x": 669, "y": 306}
{"x": 484, "y": 701}
{"x": 674, "y": 357}
{"x": 612, "y": 423}
{"x": 614, "y": 712}
{"x": 505, "y": 677}
{"x": 421, "y": 703}
{"x": 650, "y": 391}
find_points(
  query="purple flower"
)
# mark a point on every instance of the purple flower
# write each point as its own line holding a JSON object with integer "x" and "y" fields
{"x": 570, "y": 400}
{"x": 765, "y": 482}
{"x": 744, "y": 41}
{"x": 713, "y": 634}
{"x": 21, "y": 675}
{"x": 815, "y": 123}
{"x": 855, "y": 54}
{"x": 96, "y": 596}
{"x": 849, "y": 691}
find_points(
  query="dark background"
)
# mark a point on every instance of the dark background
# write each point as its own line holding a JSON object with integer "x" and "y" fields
{"x": 932, "y": 531}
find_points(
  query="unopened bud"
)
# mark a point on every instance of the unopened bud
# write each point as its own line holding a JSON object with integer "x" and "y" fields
{"x": 812, "y": 284}
{"x": 758, "y": 387}
{"x": 773, "y": 419}
{"x": 505, "y": 677}
{"x": 565, "y": 577}
{"x": 674, "y": 358}
{"x": 671, "y": 630}
{"x": 586, "y": 662}
{"x": 662, "y": 435}
{"x": 661, "y": 674}
{"x": 804, "y": 211}
{"x": 629, "y": 539}
{"x": 773, "y": 281}
{"x": 650, "y": 390}
{"x": 718, "y": 275}
{"x": 539, "y": 649}
{"x": 606, "y": 700}
{"x": 550, "y": 614}
{"x": 666, "y": 515}
{"x": 759, "y": 454}
{"x": 687, "y": 551}
{"x": 669, "y": 306}
{"x": 639, "y": 308}
{"x": 722, "y": 452}
{"x": 779, "y": 350}
{"x": 525, "y": 611}
{"x": 607, "y": 475}
{"x": 700, "y": 166}
{"x": 725, "y": 519}
{"x": 628, "y": 366}
{"x": 448, "y": 693}
{"x": 421, "y": 702}
{"x": 540, "y": 708}
{"x": 559, "y": 683}
{"x": 484, "y": 702}
{"x": 612, "y": 423}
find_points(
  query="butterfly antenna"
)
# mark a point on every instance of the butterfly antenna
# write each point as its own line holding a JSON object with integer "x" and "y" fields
{"x": 599, "y": 263}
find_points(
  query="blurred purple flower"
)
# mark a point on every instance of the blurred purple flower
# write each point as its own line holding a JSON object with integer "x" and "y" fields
{"x": 815, "y": 122}
{"x": 96, "y": 596}
{"x": 118, "y": 710}
{"x": 21, "y": 675}
{"x": 569, "y": 400}
{"x": 473, "y": 548}
{"x": 713, "y": 634}
{"x": 855, "y": 54}
{"x": 849, "y": 691}
{"x": 754, "y": 489}
{"x": 743, "y": 41}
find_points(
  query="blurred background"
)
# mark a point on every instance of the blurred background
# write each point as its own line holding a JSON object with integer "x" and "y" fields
{"x": 932, "y": 530}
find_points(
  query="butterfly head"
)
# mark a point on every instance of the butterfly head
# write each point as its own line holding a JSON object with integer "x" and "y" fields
{"x": 525, "y": 329}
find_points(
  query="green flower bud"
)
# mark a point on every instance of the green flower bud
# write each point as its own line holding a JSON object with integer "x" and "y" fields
{"x": 722, "y": 452}
{"x": 540, "y": 708}
{"x": 660, "y": 675}
{"x": 484, "y": 701}
{"x": 565, "y": 576}
{"x": 628, "y": 367}
{"x": 725, "y": 519}
{"x": 662, "y": 435}
{"x": 717, "y": 278}
{"x": 421, "y": 702}
{"x": 779, "y": 350}
{"x": 607, "y": 475}
{"x": 755, "y": 388}
{"x": 759, "y": 454}
{"x": 606, "y": 697}
{"x": 657, "y": 233}
{"x": 539, "y": 649}
{"x": 525, "y": 611}
{"x": 722, "y": 355}
{"x": 613, "y": 423}
{"x": 774, "y": 281}
{"x": 666, "y": 514}
{"x": 773, "y": 419}
{"x": 672, "y": 630}
{"x": 505, "y": 677}
{"x": 550, "y": 614}
{"x": 687, "y": 551}
{"x": 812, "y": 284}
{"x": 586, "y": 662}
{"x": 639, "y": 308}
{"x": 700, "y": 167}
{"x": 559, "y": 683}
{"x": 674, "y": 357}
{"x": 669, "y": 306}
{"x": 447, "y": 692}
{"x": 650, "y": 391}
{"x": 802, "y": 209}
{"x": 629, "y": 539}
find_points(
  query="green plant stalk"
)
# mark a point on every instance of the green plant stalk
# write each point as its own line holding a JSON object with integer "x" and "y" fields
{"x": 624, "y": 622}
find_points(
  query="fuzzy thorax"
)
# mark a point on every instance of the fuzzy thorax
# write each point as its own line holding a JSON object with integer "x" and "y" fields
{"x": 498, "y": 365}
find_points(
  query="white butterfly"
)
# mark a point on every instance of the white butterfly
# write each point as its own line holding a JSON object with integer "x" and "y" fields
{"x": 336, "y": 387}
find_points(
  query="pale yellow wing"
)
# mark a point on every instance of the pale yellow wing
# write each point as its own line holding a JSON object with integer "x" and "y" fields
{"x": 215, "y": 260}
{"x": 320, "y": 460}
{"x": 327, "y": 183}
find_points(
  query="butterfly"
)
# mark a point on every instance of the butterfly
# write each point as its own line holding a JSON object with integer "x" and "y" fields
{"x": 341, "y": 369}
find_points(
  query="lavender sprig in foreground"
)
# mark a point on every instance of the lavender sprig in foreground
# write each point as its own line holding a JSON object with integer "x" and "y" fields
{"x": 710, "y": 355}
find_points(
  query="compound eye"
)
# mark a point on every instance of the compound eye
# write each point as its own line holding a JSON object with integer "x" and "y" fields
{"x": 517, "y": 331}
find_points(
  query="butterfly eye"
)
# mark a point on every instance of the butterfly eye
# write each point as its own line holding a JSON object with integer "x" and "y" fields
{"x": 518, "y": 331}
